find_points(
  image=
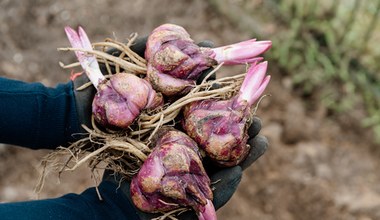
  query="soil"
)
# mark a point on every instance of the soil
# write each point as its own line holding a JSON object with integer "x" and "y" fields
{"x": 318, "y": 165}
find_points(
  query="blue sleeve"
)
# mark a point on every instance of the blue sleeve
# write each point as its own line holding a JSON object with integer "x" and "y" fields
{"x": 115, "y": 205}
{"x": 35, "y": 116}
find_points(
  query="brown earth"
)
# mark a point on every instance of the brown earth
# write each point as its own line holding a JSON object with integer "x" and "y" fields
{"x": 318, "y": 166}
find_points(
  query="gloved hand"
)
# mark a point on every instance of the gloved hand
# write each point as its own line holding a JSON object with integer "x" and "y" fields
{"x": 226, "y": 180}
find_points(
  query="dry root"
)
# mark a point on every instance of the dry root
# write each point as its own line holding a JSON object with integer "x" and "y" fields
{"x": 127, "y": 61}
{"x": 200, "y": 92}
{"x": 98, "y": 150}
{"x": 171, "y": 214}
{"x": 125, "y": 151}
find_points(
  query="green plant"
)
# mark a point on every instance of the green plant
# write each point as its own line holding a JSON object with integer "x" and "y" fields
{"x": 327, "y": 47}
{"x": 332, "y": 47}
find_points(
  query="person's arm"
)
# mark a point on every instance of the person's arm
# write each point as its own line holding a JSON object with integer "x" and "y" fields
{"x": 35, "y": 116}
{"x": 114, "y": 205}
{"x": 116, "y": 202}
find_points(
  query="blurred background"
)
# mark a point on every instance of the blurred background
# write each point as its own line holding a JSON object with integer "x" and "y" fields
{"x": 322, "y": 118}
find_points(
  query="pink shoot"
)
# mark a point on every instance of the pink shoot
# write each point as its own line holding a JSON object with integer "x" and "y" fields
{"x": 220, "y": 126}
{"x": 120, "y": 99}
{"x": 254, "y": 82}
{"x": 241, "y": 53}
{"x": 88, "y": 62}
{"x": 208, "y": 213}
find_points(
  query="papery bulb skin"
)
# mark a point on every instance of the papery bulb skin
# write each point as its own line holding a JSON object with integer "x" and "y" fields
{"x": 172, "y": 176}
{"x": 220, "y": 126}
{"x": 120, "y": 100}
{"x": 175, "y": 62}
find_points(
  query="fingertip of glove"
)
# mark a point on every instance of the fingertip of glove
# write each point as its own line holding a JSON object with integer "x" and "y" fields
{"x": 255, "y": 127}
{"x": 226, "y": 174}
{"x": 226, "y": 183}
{"x": 205, "y": 74}
{"x": 206, "y": 43}
{"x": 139, "y": 46}
{"x": 259, "y": 145}
{"x": 260, "y": 142}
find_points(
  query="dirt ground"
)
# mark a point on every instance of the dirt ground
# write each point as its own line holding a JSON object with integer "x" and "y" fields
{"x": 318, "y": 166}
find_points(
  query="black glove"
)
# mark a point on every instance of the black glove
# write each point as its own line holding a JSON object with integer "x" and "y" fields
{"x": 226, "y": 179}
